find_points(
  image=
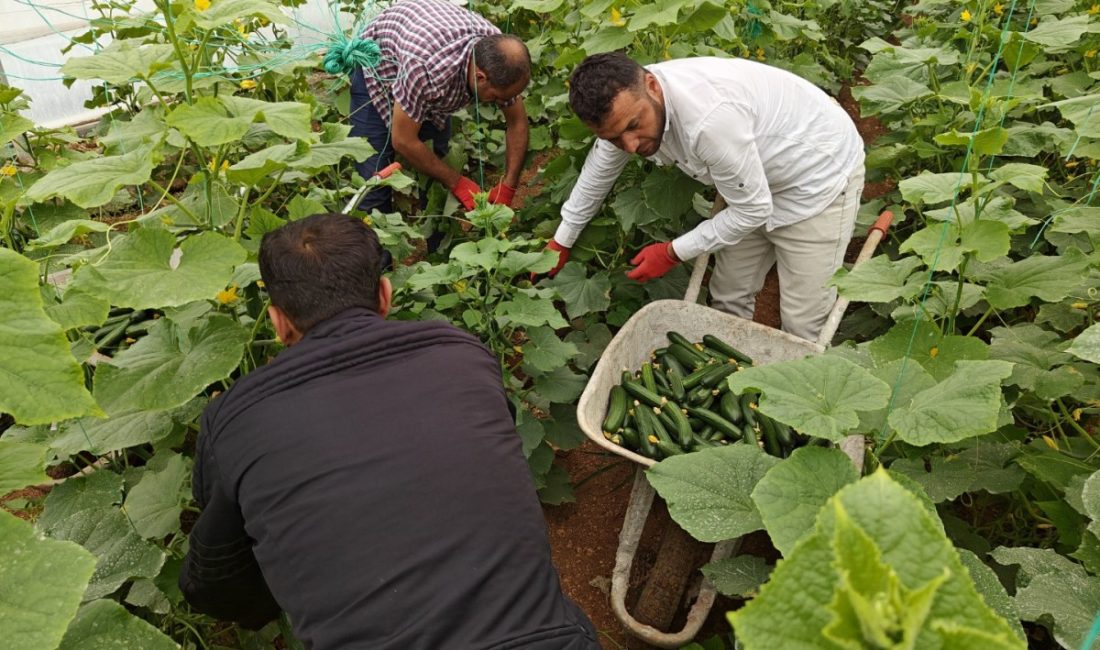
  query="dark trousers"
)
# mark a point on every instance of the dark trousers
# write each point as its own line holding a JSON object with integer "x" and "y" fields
{"x": 367, "y": 123}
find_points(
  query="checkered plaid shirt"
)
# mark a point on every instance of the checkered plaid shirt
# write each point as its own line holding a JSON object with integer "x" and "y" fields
{"x": 426, "y": 46}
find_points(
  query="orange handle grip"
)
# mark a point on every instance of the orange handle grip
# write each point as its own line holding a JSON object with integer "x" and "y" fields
{"x": 882, "y": 224}
{"x": 388, "y": 170}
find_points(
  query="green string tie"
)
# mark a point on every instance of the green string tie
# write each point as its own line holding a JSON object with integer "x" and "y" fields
{"x": 345, "y": 55}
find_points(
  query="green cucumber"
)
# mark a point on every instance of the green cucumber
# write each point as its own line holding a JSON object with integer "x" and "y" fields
{"x": 679, "y": 422}
{"x": 715, "y": 420}
{"x": 643, "y": 394}
{"x": 616, "y": 410}
{"x": 730, "y": 409}
{"x": 647, "y": 377}
{"x": 630, "y": 437}
{"x": 718, "y": 373}
{"x": 720, "y": 346}
{"x": 771, "y": 441}
{"x": 690, "y": 357}
{"x": 646, "y": 437}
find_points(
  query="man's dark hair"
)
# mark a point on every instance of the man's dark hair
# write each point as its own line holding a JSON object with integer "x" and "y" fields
{"x": 596, "y": 82}
{"x": 504, "y": 59}
{"x": 319, "y": 266}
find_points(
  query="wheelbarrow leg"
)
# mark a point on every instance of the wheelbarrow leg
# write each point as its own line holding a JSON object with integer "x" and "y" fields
{"x": 637, "y": 511}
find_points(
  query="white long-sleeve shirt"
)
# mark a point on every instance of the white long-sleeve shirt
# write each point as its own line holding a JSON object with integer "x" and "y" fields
{"x": 776, "y": 147}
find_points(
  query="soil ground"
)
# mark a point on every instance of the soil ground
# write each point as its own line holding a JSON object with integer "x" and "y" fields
{"x": 584, "y": 535}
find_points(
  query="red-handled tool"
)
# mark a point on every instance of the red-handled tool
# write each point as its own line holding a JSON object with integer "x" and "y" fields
{"x": 385, "y": 172}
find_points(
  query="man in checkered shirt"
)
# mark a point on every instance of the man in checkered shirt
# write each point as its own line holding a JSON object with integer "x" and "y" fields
{"x": 437, "y": 58}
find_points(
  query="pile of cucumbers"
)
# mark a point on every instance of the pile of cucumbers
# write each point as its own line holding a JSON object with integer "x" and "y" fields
{"x": 679, "y": 402}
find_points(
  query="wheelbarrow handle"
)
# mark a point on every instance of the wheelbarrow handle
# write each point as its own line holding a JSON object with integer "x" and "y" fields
{"x": 882, "y": 224}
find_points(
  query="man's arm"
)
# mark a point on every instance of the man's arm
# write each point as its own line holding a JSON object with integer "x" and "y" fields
{"x": 515, "y": 141}
{"x": 220, "y": 576}
{"x": 405, "y": 133}
{"x": 601, "y": 169}
{"x": 727, "y": 146}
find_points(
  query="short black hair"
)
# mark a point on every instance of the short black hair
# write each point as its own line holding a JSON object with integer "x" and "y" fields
{"x": 504, "y": 59}
{"x": 319, "y": 266}
{"x": 598, "y": 80}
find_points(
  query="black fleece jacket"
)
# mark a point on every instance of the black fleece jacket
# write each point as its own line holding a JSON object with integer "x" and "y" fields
{"x": 370, "y": 482}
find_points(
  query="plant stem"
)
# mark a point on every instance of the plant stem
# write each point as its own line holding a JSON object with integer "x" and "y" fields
{"x": 173, "y": 200}
{"x": 5, "y": 225}
{"x": 1077, "y": 427}
{"x": 170, "y": 29}
{"x": 240, "y": 214}
{"x": 980, "y": 320}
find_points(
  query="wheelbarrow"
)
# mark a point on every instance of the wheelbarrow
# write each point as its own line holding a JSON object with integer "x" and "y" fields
{"x": 645, "y": 331}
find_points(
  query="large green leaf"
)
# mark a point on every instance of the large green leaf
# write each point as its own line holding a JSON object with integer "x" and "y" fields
{"x": 655, "y": 14}
{"x": 21, "y": 464}
{"x": 42, "y": 382}
{"x": 582, "y": 294}
{"x": 105, "y": 625}
{"x": 905, "y": 378}
{"x": 1054, "y": 591}
{"x": 986, "y": 142}
{"x": 1051, "y": 278}
{"x": 739, "y": 576}
{"x": 288, "y": 119}
{"x": 91, "y": 183}
{"x": 993, "y": 592}
{"x": 922, "y": 342}
{"x": 964, "y": 405}
{"x": 142, "y": 270}
{"x": 561, "y": 385}
{"x": 208, "y": 122}
{"x": 41, "y": 584}
{"x": 170, "y": 365}
{"x": 224, "y": 12}
{"x": 1059, "y": 33}
{"x": 12, "y": 126}
{"x": 982, "y": 467}
{"x": 632, "y": 210}
{"x": 66, "y": 230}
{"x": 880, "y": 279}
{"x": 607, "y": 39}
{"x": 873, "y": 543}
{"x": 1026, "y": 177}
{"x": 943, "y": 245}
{"x": 889, "y": 95}
{"x": 1080, "y": 111}
{"x": 819, "y": 396}
{"x": 791, "y": 493}
{"x": 929, "y": 188}
{"x": 78, "y": 309}
{"x": 118, "y": 431}
{"x": 544, "y": 351}
{"x": 121, "y": 62}
{"x": 709, "y": 491}
{"x": 537, "y": 6}
{"x": 82, "y": 510}
{"x": 154, "y": 504}
{"x": 525, "y": 310}
{"x": 1087, "y": 344}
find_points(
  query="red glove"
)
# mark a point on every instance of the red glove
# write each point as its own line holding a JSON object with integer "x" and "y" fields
{"x": 563, "y": 256}
{"x": 502, "y": 194}
{"x": 464, "y": 190}
{"x": 653, "y": 261}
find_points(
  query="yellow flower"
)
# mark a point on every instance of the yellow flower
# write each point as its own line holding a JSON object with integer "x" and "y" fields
{"x": 1094, "y": 9}
{"x": 965, "y": 16}
{"x": 225, "y": 165}
{"x": 999, "y": 9}
{"x": 213, "y": 168}
{"x": 260, "y": 284}
{"x": 1070, "y": 164}
{"x": 1050, "y": 442}
{"x": 248, "y": 84}
{"x": 971, "y": 67}
{"x": 459, "y": 286}
{"x": 8, "y": 170}
{"x": 760, "y": 53}
{"x": 934, "y": 352}
{"x": 617, "y": 17}
{"x": 202, "y": 5}
{"x": 1089, "y": 54}
{"x": 368, "y": 221}
{"x": 227, "y": 296}
{"x": 1076, "y": 415}
{"x": 1080, "y": 305}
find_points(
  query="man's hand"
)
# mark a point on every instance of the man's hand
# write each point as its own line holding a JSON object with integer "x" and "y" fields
{"x": 653, "y": 261}
{"x": 502, "y": 194}
{"x": 464, "y": 190}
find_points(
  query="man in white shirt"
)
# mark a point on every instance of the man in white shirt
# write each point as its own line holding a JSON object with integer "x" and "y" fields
{"x": 784, "y": 155}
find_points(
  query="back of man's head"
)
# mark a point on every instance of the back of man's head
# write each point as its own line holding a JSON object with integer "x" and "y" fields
{"x": 598, "y": 79}
{"x": 504, "y": 59}
{"x": 319, "y": 266}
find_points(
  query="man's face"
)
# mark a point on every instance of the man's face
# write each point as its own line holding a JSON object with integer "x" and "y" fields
{"x": 499, "y": 96}
{"x": 636, "y": 121}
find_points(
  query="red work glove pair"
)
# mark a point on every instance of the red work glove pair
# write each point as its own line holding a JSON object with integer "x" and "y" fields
{"x": 652, "y": 262}
{"x": 465, "y": 189}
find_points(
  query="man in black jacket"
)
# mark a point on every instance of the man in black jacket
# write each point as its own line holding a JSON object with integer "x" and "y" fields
{"x": 369, "y": 480}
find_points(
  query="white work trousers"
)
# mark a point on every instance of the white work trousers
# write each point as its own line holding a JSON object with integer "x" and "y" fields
{"x": 806, "y": 253}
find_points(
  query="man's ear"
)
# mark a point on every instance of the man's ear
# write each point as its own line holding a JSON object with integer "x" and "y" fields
{"x": 385, "y": 296}
{"x": 285, "y": 329}
{"x": 653, "y": 86}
